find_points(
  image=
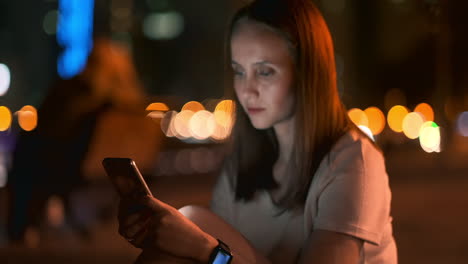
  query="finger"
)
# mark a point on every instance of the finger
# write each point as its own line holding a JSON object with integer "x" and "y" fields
{"x": 132, "y": 230}
{"x": 154, "y": 204}
{"x": 128, "y": 228}
{"x": 140, "y": 240}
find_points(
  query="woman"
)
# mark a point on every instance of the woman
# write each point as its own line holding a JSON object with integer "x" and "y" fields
{"x": 303, "y": 184}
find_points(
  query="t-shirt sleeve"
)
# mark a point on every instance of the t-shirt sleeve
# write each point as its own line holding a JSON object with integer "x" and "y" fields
{"x": 356, "y": 201}
{"x": 222, "y": 199}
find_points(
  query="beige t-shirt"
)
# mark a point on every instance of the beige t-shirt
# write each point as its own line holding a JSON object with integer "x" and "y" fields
{"x": 349, "y": 194}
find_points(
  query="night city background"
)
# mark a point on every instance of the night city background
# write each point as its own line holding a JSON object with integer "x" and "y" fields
{"x": 153, "y": 89}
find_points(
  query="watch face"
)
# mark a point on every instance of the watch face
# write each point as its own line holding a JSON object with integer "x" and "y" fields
{"x": 222, "y": 258}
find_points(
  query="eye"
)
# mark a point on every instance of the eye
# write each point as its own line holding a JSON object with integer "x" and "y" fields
{"x": 237, "y": 72}
{"x": 265, "y": 72}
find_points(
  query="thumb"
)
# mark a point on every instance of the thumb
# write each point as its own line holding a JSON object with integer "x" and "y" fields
{"x": 153, "y": 203}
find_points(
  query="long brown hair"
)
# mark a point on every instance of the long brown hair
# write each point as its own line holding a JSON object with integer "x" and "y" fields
{"x": 321, "y": 118}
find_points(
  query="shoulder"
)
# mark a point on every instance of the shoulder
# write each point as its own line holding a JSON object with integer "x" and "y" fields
{"x": 356, "y": 150}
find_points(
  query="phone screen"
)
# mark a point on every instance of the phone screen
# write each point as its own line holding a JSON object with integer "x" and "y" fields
{"x": 126, "y": 177}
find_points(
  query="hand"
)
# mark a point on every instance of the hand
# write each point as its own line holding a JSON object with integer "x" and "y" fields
{"x": 134, "y": 222}
{"x": 165, "y": 229}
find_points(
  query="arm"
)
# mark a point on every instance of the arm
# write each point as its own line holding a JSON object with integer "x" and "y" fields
{"x": 191, "y": 237}
{"x": 330, "y": 248}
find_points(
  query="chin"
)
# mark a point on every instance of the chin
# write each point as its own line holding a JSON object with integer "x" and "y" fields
{"x": 260, "y": 125}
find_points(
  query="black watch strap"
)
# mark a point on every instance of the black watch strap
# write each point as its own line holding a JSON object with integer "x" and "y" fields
{"x": 221, "y": 254}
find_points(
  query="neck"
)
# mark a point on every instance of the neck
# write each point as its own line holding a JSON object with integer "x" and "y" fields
{"x": 285, "y": 135}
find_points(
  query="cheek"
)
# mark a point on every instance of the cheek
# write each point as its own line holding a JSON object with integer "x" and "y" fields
{"x": 283, "y": 95}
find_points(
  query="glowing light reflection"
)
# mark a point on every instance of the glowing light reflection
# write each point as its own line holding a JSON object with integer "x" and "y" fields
{"x": 395, "y": 117}
{"x": 27, "y": 117}
{"x": 181, "y": 124}
{"x": 202, "y": 125}
{"x": 429, "y": 137}
{"x": 157, "y": 107}
{"x": 5, "y": 118}
{"x": 412, "y": 124}
{"x": 462, "y": 124}
{"x": 358, "y": 117}
{"x": 5, "y": 79}
{"x": 426, "y": 110}
{"x": 167, "y": 124}
{"x": 159, "y": 26}
{"x": 376, "y": 120}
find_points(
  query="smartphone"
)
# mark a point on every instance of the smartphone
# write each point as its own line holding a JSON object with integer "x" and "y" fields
{"x": 126, "y": 177}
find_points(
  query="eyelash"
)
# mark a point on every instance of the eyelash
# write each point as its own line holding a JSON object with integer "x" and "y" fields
{"x": 265, "y": 73}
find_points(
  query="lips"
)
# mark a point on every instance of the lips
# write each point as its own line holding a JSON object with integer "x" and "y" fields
{"x": 255, "y": 110}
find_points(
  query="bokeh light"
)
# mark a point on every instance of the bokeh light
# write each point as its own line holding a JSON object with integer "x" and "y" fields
{"x": 394, "y": 97}
{"x": 367, "y": 131}
{"x": 412, "y": 124}
{"x": 27, "y": 117}
{"x": 5, "y": 118}
{"x": 193, "y": 106}
{"x": 376, "y": 119}
{"x": 5, "y": 78}
{"x": 462, "y": 124}
{"x": 167, "y": 124}
{"x": 227, "y": 106}
{"x": 426, "y": 110}
{"x": 74, "y": 35}
{"x": 181, "y": 124}
{"x": 429, "y": 137}
{"x": 224, "y": 117}
{"x": 202, "y": 125}
{"x": 358, "y": 117}
{"x": 224, "y": 123}
{"x": 163, "y": 26}
{"x": 31, "y": 237}
{"x": 395, "y": 117}
{"x": 155, "y": 115}
{"x": 49, "y": 24}
{"x": 55, "y": 211}
{"x": 3, "y": 175}
{"x": 157, "y": 107}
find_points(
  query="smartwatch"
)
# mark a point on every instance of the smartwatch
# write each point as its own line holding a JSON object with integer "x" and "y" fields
{"x": 221, "y": 254}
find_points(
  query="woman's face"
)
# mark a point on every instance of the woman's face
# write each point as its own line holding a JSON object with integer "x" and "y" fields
{"x": 263, "y": 74}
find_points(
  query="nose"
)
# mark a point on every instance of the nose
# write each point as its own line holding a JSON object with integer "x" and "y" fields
{"x": 249, "y": 88}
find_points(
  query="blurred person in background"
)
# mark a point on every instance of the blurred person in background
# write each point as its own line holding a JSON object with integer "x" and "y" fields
{"x": 48, "y": 161}
{"x": 302, "y": 184}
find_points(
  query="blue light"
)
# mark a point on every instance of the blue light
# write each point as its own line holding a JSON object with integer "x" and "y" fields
{"x": 75, "y": 35}
{"x": 222, "y": 258}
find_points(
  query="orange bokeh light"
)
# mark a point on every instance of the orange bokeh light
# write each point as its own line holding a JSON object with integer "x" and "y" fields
{"x": 193, "y": 106}
{"x": 395, "y": 117}
{"x": 426, "y": 110}
{"x": 412, "y": 124}
{"x": 27, "y": 118}
{"x": 5, "y": 118}
{"x": 157, "y": 107}
{"x": 227, "y": 106}
{"x": 376, "y": 119}
{"x": 358, "y": 117}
